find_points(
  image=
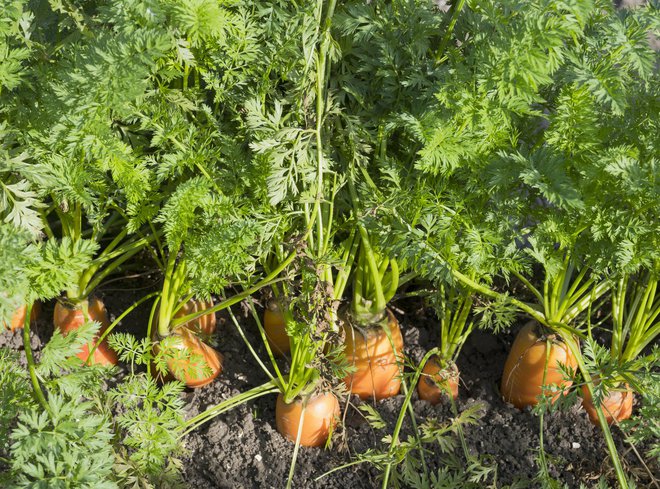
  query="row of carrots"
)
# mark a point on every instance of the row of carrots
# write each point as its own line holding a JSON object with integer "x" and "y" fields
{"x": 534, "y": 361}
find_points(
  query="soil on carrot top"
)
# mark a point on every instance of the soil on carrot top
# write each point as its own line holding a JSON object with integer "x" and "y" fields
{"x": 242, "y": 449}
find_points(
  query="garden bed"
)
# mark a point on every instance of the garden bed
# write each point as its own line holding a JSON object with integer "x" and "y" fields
{"x": 242, "y": 448}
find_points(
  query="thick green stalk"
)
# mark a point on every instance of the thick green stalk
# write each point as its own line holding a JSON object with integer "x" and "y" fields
{"x": 570, "y": 292}
{"x": 330, "y": 214}
{"x": 350, "y": 250}
{"x": 373, "y": 277}
{"x": 546, "y": 296}
{"x": 394, "y": 281}
{"x": 582, "y": 304}
{"x": 461, "y": 328}
{"x": 642, "y": 328}
{"x": 358, "y": 284}
{"x": 445, "y": 326}
{"x": 562, "y": 286}
{"x": 167, "y": 297}
{"x": 618, "y": 307}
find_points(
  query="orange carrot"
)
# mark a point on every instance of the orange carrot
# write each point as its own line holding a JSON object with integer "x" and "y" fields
{"x": 522, "y": 379}
{"x": 371, "y": 353}
{"x": 68, "y": 319}
{"x": 321, "y": 414}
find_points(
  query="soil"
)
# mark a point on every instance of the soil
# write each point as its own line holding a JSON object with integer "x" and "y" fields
{"x": 242, "y": 449}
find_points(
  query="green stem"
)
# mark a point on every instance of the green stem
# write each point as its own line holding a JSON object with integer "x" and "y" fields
{"x": 166, "y": 298}
{"x": 560, "y": 287}
{"x": 112, "y": 326}
{"x": 152, "y": 315}
{"x": 399, "y": 421}
{"x": 618, "y": 306}
{"x": 296, "y": 448}
{"x": 373, "y": 281}
{"x": 570, "y": 292}
{"x": 537, "y": 315}
{"x": 111, "y": 268}
{"x": 611, "y": 447}
{"x": 268, "y": 280}
{"x": 582, "y": 304}
{"x": 642, "y": 329}
{"x": 254, "y": 393}
{"x": 547, "y": 305}
{"x": 32, "y": 369}
{"x": 320, "y": 109}
{"x": 249, "y": 345}
{"x": 46, "y": 227}
{"x": 459, "y": 330}
{"x": 379, "y": 303}
{"x": 456, "y": 10}
{"x": 350, "y": 250}
{"x": 529, "y": 285}
{"x": 393, "y": 285}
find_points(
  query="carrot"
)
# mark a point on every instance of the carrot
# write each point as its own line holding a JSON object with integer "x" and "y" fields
{"x": 522, "y": 379}
{"x": 439, "y": 380}
{"x": 616, "y": 405}
{"x": 275, "y": 328}
{"x": 204, "y": 325}
{"x": 68, "y": 319}
{"x": 320, "y": 417}
{"x": 18, "y": 319}
{"x": 372, "y": 354}
{"x": 198, "y": 366}
{"x": 189, "y": 359}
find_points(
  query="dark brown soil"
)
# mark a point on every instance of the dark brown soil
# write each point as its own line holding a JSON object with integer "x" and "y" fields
{"x": 242, "y": 449}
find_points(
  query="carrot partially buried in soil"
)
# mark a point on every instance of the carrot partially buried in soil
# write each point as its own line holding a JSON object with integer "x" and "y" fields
{"x": 440, "y": 376}
{"x": 319, "y": 418}
{"x": 376, "y": 355}
{"x": 275, "y": 329}
{"x": 616, "y": 405}
{"x": 68, "y": 318}
{"x": 189, "y": 359}
{"x": 439, "y": 380}
{"x": 529, "y": 363}
{"x": 18, "y": 318}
